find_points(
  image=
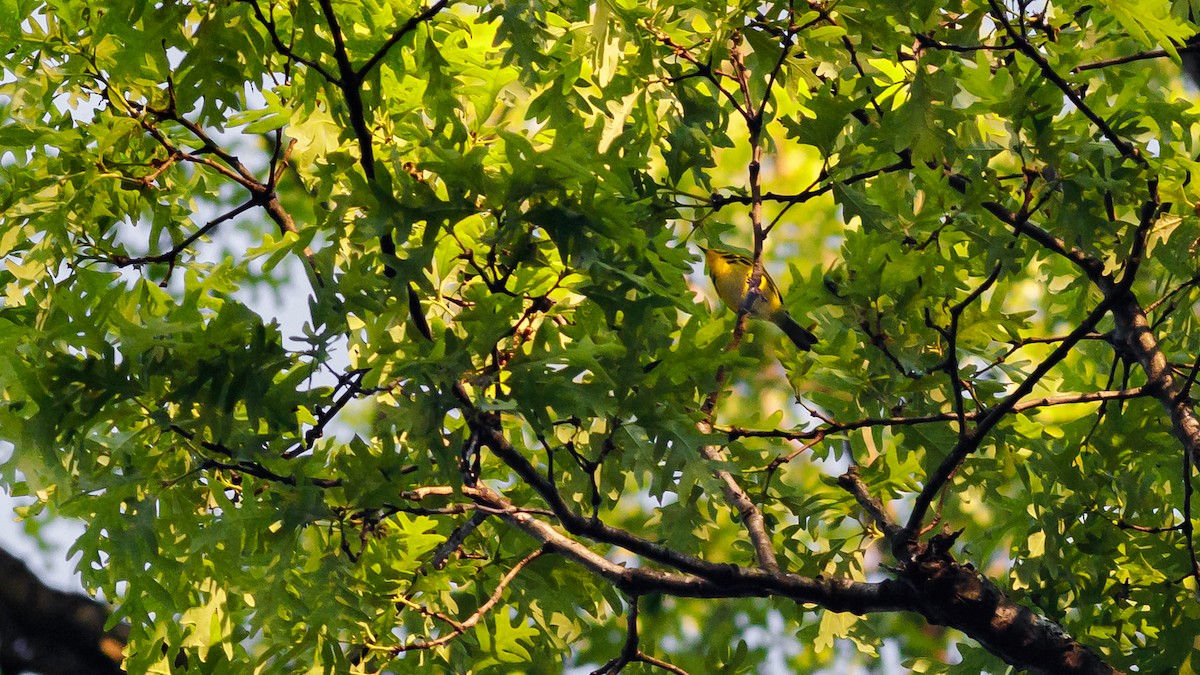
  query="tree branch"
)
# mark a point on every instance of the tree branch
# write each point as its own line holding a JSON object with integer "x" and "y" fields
{"x": 1140, "y": 56}
{"x": 1126, "y": 150}
{"x": 970, "y": 442}
{"x": 170, "y": 255}
{"x": 397, "y": 36}
{"x": 870, "y": 422}
{"x": 49, "y": 631}
{"x": 285, "y": 50}
{"x": 904, "y": 164}
{"x": 717, "y": 581}
{"x": 467, "y": 624}
{"x": 958, "y": 596}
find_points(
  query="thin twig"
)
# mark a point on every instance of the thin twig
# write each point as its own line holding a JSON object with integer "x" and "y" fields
{"x": 397, "y": 36}
{"x": 1140, "y": 56}
{"x": 952, "y": 367}
{"x": 171, "y": 254}
{"x": 469, "y": 623}
{"x": 832, "y": 427}
{"x": 273, "y": 33}
{"x": 904, "y": 164}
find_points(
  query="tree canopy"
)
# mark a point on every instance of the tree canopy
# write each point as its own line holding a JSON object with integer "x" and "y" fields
{"x": 374, "y": 336}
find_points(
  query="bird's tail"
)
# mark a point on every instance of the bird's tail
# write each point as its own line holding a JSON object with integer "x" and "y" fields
{"x": 803, "y": 338}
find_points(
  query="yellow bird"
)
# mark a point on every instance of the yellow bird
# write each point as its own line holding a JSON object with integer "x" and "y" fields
{"x": 730, "y": 273}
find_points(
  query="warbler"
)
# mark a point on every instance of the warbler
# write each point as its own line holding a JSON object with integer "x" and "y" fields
{"x": 730, "y": 274}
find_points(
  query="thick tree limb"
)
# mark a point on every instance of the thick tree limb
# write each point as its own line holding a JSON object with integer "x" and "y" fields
{"x": 956, "y": 595}
{"x": 717, "y": 581}
{"x": 931, "y": 582}
{"x": 1133, "y": 331}
{"x": 55, "y": 633}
